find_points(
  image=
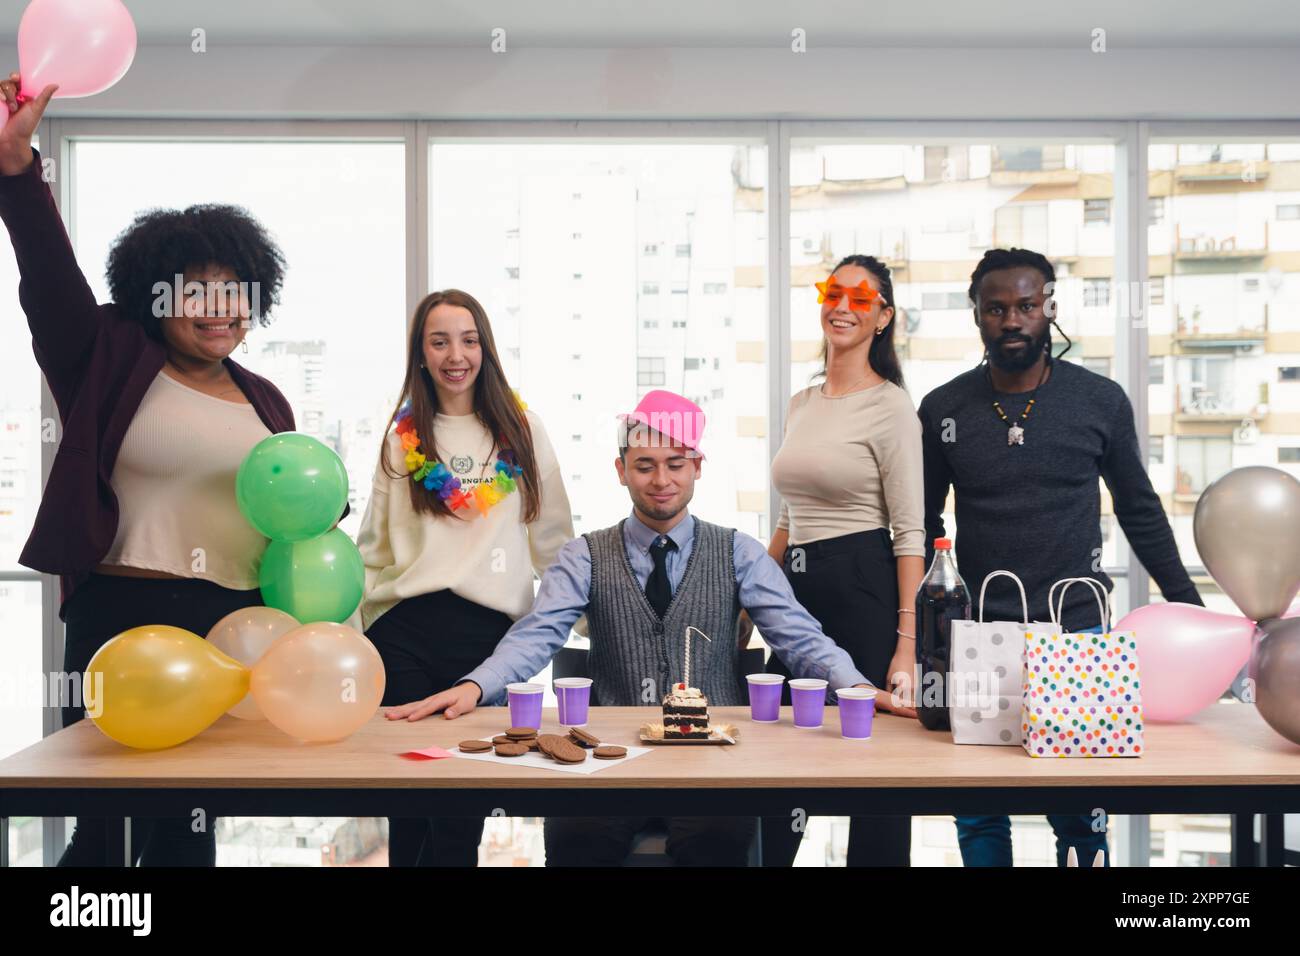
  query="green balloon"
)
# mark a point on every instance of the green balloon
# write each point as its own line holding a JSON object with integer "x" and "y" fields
{"x": 292, "y": 487}
{"x": 316, "y": 580}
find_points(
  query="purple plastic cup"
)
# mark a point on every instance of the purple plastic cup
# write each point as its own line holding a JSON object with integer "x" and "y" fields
{"x": 808, "y": 694}
{"x": 857, "y": 708}
{"x": 525, "y": 705}
{"x": 572, "y": 695}
{"x": 765, "y": 697}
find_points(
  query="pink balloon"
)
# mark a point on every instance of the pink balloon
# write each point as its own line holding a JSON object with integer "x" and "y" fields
{"x": 85, "y": 46}
{"x": 1187, "y": 655}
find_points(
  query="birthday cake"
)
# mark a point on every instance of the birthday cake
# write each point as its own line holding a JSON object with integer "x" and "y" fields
{"x": 686, "y": 714}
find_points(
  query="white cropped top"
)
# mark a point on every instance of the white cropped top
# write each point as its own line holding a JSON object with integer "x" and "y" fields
{"x": 175, "y": 483}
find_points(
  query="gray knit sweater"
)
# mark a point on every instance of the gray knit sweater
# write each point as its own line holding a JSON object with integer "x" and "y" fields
{"x": 635, "y": 655}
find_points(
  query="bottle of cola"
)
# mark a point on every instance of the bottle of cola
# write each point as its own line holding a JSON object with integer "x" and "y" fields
{"x": 941, "y": 598}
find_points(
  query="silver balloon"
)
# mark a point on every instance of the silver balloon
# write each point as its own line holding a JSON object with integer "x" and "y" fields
{"x": 1275, "y": 673}
{"x": 1247, "y": 529}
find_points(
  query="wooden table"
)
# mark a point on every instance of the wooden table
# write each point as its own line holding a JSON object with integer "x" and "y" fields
{"x": 1225, "y": 760}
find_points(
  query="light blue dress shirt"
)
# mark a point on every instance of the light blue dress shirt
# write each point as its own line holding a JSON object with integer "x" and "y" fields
{"x": 565, "y": 593}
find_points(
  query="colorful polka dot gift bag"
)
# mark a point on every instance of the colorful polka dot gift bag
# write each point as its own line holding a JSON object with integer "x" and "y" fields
{"x": 1082, "y": 692}
{"x": 986, "y": 673}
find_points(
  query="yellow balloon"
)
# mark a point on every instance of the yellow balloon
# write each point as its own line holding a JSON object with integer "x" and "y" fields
{"x": 157, "y": 686}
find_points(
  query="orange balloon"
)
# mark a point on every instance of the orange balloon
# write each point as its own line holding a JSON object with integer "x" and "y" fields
{"x": 322, "y": 681}
{"x": 157, "y": 686}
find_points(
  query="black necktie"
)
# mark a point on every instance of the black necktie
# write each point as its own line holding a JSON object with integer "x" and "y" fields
{"x": 657, "y": 589}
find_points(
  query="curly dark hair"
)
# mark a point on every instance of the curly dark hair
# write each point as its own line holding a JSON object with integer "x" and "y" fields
{"x": 163, "y": 243}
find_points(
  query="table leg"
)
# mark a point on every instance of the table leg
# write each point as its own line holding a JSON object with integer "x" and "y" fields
{"x": 118, "y": 846}
{"x": 1272, "y": 840}
{"x": 1243, "y": 850}
{"x": 4, "y": 842}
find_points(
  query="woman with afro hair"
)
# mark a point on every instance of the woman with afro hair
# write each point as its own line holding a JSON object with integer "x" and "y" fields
{"x": 138, "y": 517}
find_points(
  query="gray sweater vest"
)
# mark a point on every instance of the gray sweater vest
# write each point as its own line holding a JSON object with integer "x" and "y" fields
{"x": 635, "y": 655}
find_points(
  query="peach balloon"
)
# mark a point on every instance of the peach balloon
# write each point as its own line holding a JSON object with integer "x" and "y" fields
{"x": 1188, "y": 656}
{"x": 246, "y": 635}
{"x": 157, "y": 686}
{"x": 319, "y": 682}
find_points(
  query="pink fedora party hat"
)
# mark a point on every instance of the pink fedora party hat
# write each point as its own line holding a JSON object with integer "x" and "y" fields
{"x": 677, "y": 418}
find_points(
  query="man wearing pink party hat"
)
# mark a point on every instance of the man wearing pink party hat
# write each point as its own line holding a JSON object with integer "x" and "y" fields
{"x": 642, "y": 583}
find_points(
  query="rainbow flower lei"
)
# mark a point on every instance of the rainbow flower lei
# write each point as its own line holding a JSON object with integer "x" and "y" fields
{"x": 435, "y": 476}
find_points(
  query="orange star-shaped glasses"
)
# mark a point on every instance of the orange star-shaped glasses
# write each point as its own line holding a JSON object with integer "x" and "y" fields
{"x": 860, "y": 296}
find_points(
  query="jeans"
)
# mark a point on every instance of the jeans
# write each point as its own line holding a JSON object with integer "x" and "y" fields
{"x": 986, "y": 841}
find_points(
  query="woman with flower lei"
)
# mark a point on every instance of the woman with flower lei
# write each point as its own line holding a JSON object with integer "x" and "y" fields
{"x": 468, "y": 503}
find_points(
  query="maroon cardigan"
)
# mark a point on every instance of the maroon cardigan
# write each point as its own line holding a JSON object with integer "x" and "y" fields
{"x": 98, "y": 364}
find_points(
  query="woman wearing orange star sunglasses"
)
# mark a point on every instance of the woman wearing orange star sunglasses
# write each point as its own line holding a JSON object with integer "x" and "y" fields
{"x": 849, "y": 471}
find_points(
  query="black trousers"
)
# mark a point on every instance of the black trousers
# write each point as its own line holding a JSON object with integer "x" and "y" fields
{"x": 102, "y": 608}
{"x": 606, "y": 841}
{"x": 850, "y": 585}
{"x": 427, "y": 644}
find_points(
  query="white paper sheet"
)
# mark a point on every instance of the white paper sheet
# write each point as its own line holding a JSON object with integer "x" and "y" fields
{"x": 535, "y": 759}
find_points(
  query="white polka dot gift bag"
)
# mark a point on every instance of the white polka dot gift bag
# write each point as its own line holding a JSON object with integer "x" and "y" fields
{"x": 1082, "y": 692}
{"x": 986, "y": 675}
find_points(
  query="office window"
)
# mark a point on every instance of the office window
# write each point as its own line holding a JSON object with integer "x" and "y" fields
{"x": 881, "y": 199}
{"x": 1288, "y": 373}
{"x": 1155, "y": 210}
{"x": 512, "y": 272}
{"x": 342, "y": 385}
{"x": 1289, "y": 455}
{"x": 1288, "y": 211}
{"x": 642, "y": 196}
{"x": 1156, "y": 374}
{"x": 715, "y": 288}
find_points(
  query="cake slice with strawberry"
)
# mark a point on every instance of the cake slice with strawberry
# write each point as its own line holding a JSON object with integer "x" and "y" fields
{"x": 686, "y": 714}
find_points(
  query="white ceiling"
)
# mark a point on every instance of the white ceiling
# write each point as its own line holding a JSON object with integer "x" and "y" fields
{"x": 1002, "y": 24}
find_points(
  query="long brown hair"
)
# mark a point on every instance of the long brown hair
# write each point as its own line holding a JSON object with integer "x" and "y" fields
{"x": 494, "y": 404}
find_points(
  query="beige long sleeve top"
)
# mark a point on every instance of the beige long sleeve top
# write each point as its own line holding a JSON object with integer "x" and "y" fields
{"x": 852, "y": 463}
{"x": 488, "y": 559}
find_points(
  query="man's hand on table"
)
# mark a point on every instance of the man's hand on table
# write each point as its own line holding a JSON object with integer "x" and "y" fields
{"x": 453, "y": 702}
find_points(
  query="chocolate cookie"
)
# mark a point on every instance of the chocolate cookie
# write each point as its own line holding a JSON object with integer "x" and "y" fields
{"x": 511, "y": 750}
{"x": 502, "y": 739}
{"x": 583, "y": 738}
{"x": 546, "y": 744}
{"x": 609, "y": 752}
{"x": 566, "y": 751}
{"x": 474, "y": 746}
{"x": 517, "y": 733}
